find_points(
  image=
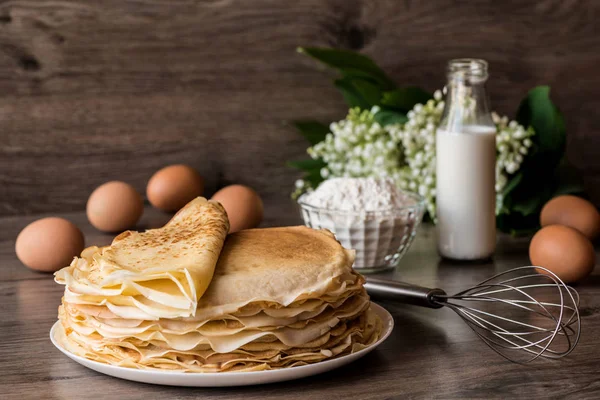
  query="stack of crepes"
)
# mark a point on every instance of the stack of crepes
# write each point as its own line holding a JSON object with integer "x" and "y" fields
{"x": 183, "y": 297}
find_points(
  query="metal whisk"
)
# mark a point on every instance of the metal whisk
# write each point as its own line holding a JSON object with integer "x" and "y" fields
{"x": 520, "y": 314}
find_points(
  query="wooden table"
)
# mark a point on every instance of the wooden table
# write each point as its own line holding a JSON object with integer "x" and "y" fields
{"x": 430, "y": 354}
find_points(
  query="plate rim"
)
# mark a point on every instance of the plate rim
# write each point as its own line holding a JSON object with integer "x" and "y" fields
{"x": 388, "y": 327}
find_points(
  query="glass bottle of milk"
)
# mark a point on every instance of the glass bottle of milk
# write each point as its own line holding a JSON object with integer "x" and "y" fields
{"x": 465, "y": 165}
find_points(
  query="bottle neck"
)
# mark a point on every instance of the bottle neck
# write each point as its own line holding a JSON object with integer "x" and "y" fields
{"x": 466, "y": 102}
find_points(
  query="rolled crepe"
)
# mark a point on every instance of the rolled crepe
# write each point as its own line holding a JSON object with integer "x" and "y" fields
{"x": 160, "y": 273}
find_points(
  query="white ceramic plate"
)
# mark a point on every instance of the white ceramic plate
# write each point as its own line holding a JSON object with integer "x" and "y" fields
{"x": 229, "y": 378}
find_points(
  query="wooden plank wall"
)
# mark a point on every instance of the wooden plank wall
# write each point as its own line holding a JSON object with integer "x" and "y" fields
{"x": 114, "y": 89}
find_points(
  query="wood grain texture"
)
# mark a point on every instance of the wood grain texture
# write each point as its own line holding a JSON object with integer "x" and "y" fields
{"x": 430, "y": 354}
{"x": 115, "y": 89}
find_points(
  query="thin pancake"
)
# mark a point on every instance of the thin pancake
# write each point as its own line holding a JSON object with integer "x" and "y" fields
{"x": 277, "y": 266}
{"x": 161, "y": 272}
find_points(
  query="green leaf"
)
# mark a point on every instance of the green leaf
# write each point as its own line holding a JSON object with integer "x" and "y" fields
{"x": 516, "y": 224}
{"x": 537, "y": 176}
{"x": 390, "y": 117}
{"x": 313, "y": 177}
{"x": 349, "y": 63}
{"x": 358, "y": 92}
{"x": 309, "y": 164}
{"x": 531, "y": 192}
{"x": 568, "y": 179}
{"x": 526, "y": 231}
{"x": 523, "y": 216}
{"x": 538, "y": 111}
{"x": 512, "y": 184}
{"x": 404, "y": 99}
{"x": 532, "y": 204}
{"x": 351, "y": 96}
{"x": 312, "y": 131}
{"x": 311, "y": 168}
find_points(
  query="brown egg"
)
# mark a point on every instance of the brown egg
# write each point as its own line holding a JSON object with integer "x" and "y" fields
{"x": 243, "y": 205}
{"x": 174, "y": 186}
{"x": 114, "y": 207}
{"x": 574, "y": 212}
{"x": 564, "y": 251}
{"x": 49, "y": 244}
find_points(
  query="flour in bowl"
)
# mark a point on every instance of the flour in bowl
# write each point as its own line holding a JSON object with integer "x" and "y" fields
{"x": 358, "y": 195}
{"x": 371, "y": 216}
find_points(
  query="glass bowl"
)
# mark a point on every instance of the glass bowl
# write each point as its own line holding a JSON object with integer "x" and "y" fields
{"x": 380, "y": 237}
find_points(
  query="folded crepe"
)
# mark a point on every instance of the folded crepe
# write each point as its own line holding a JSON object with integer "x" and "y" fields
{"x": 153, "y": 274}
{"x": 279, "y": 297}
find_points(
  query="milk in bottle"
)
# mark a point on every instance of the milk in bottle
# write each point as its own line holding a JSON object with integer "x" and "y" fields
{"x": 465, "y": 166}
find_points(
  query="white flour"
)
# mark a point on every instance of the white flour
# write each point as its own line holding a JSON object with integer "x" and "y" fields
{"x": 358, "y": 194}
{"x": 373, "y": 218}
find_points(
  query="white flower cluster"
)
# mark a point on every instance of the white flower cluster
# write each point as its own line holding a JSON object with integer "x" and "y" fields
{"x": 417, "y": 137}
{"x": 512, "y": 142}
{"x": 357, "y": 146}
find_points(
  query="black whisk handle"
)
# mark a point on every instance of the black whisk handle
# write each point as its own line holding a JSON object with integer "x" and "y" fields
{"x": 403, "y": 292}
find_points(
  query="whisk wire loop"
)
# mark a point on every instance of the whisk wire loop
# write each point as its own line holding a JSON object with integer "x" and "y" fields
{"x": 534, "y": 322}
{"x": 522, "y": 314}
